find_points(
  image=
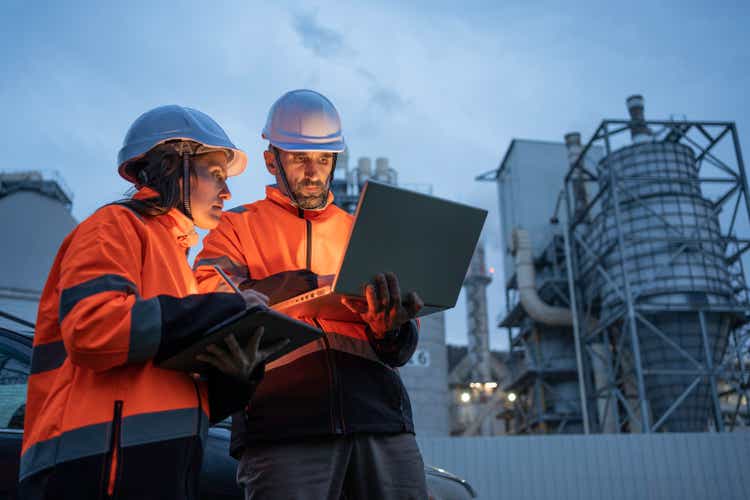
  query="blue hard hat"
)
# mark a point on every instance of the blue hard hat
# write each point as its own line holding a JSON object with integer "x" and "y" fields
{"x": 176, "y": 123}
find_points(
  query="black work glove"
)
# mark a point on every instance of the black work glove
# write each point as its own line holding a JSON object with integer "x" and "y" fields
{"x": 240, "y": 363}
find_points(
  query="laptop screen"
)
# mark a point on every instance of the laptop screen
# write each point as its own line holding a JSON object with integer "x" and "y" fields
{"x": 426, "y": 241}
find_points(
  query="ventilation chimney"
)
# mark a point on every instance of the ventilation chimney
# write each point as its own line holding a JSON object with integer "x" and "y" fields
{"x": 381, "y": 169}
{"x": 573, "y": 143}
{"x": 639, "y": 131}
{"x": 364, "y": 170}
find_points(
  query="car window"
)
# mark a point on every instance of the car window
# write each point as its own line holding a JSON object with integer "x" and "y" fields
{"x": 14, "y": 375}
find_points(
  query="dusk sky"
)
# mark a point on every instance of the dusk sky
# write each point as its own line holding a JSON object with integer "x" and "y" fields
{"x": 440, "y": 88}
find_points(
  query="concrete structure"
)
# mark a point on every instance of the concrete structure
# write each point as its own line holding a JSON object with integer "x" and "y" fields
{"x": 426, "y": 379}
{"x": 36, "y": 218}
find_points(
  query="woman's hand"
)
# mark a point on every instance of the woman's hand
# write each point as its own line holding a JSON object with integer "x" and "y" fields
{"x": 237, "y": 362}
{"x": 254, "y": 299}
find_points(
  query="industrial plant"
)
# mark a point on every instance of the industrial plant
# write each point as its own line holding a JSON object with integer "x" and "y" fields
{"x": 626, "y": 292}
{"x": 627, "y": 307}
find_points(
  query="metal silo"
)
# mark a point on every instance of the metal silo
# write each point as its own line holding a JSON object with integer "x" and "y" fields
{"x": 36, "y": 218}
{"x": 657, "y": 269}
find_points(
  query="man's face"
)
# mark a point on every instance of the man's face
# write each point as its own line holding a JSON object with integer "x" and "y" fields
{"x": 307, "y": 173}
{"x": 208, "y": 188}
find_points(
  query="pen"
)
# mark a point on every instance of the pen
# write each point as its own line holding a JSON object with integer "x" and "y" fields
{"x": 226, "y": 278}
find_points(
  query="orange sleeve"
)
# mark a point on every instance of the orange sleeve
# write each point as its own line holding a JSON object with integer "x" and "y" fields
{"x": 222, "y": 247}
{"x": 103, "y": 321}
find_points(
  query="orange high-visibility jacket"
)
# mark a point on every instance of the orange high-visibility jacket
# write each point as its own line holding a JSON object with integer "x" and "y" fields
{"x": 119, "y": 289}
{"x": 341, "y": 384}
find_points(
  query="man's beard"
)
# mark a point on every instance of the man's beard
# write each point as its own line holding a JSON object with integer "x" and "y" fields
{"x": 310, "y": 201}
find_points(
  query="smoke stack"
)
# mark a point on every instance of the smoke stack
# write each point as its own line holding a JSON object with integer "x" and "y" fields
{"x": 364, "y": 170}
{"x": 639, "y": 131}
{"x": 573, "y": 143}
{"x": 381, "y": 169}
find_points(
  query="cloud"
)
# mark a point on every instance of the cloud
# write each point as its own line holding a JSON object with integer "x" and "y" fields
{"x": 382, "y": 97}
{"x": 323, "y": 41}
{"x": 329, "y": 44}
{"x": 387, "y": 99}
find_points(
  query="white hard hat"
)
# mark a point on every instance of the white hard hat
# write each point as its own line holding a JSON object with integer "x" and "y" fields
{"x": 304, "y": 120}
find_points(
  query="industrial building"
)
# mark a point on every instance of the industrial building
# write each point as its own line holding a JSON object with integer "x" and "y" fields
{"x": 627, "y": 315}
{"x": 36, "y": 218}
{"x": 626, "y": 284}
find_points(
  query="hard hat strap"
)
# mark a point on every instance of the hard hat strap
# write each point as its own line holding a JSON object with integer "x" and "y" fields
{"x": 282, "y": 173}
{"x": 185, "y": 153}
{"x": 286, "y": 181}
{"x": 330, "y": 177}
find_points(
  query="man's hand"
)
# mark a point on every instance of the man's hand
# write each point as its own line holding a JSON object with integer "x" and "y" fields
{"x": 240, "y": 363}
{"x": 384, "y": 310}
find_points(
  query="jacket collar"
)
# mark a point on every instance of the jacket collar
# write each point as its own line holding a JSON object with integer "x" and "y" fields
{"x": 274, "y": 195}
{"x": 179, "y": 224}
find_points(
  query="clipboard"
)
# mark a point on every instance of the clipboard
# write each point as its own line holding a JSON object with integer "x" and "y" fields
{"x": 277, "y": 326}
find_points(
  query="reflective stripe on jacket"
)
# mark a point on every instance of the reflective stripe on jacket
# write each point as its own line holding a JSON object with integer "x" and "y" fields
{"x": 120, "y": 287}
{"x": 341, "y": 384}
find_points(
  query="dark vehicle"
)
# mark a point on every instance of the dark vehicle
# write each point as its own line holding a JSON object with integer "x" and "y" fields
{"x": 218, "y": 473}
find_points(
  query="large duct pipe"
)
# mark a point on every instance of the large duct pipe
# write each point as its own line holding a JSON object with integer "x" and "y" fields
{"x": 542, "y": 312}
{"x": 639, "y": 131}
{"x": 526, "y": 277}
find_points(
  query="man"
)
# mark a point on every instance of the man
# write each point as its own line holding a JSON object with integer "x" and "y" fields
{"x": 331, "y": 419}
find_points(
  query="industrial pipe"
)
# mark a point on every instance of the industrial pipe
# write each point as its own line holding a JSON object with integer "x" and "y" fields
{"x": 526, "y": 277}
{"x": 542, "y": 312}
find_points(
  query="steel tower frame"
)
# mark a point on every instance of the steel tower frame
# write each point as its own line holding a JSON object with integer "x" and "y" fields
{"x": 710, "y": 140}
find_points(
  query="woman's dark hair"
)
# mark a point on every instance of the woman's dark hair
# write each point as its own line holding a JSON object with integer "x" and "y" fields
{"x": 161, "y": 170}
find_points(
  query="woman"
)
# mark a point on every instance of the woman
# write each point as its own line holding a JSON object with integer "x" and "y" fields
{"x": 102, "y": 421}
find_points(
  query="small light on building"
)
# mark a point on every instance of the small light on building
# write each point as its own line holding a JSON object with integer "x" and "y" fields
{"x": 492, "y": 270}
{"x": 465, "y": 397}
{"x": 511, "y": 396}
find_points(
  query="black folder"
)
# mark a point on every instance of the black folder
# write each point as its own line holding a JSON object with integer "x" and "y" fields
{"x": 276, "y": 326}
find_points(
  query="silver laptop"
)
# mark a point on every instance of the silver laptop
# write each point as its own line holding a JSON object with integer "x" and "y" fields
{"x": 426, "y": 241}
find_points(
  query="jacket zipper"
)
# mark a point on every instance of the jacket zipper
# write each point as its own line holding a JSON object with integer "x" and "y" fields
{"x": 308, "y": 238}
{"x": 308, "y": 261}
{"x": 112, "y": 464}
{"x": 337, "y": 418}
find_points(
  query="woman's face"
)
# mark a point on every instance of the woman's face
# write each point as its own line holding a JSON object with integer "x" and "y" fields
{"x": 208, "y": 189}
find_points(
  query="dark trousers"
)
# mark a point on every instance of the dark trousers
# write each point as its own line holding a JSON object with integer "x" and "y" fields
{"x": 164, "y": 470}
{"x": 360, "y": 466}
